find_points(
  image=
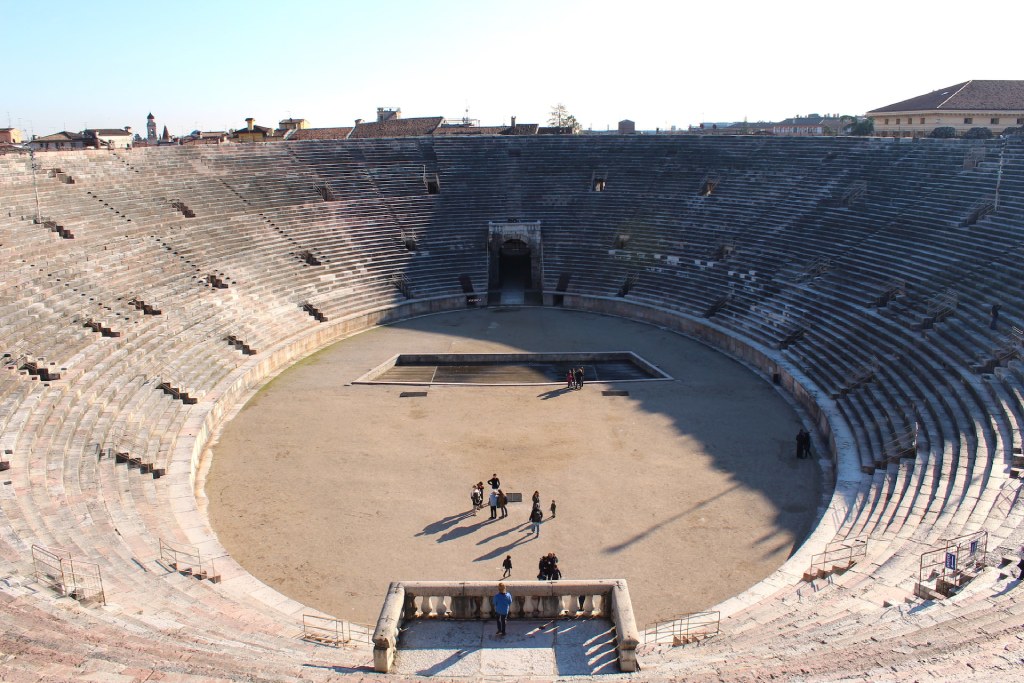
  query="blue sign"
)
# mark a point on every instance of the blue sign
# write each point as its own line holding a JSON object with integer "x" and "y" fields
{"x": 951, "y": 561}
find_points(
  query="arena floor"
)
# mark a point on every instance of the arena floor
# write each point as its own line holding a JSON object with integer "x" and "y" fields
{"x": 687, "y": 488}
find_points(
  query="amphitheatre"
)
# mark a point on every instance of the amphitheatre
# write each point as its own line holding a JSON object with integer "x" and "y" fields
{"x": 159, "y": 304}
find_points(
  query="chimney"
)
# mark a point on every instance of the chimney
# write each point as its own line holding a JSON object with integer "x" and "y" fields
{"x": 250, "y": 122}
{"x": 358, "y": 121}
{"x": 127, "y": 129}
{"x": 513, "y": 126}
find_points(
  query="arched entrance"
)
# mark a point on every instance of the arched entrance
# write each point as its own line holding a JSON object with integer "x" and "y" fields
{"x": 515, "y": 275}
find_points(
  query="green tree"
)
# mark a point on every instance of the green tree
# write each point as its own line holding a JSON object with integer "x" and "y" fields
{"x": 978, "y": 133}
{"x": 864, "y": 126}
{"x": 943, "y": 132}
{"x": 561, "y": 118}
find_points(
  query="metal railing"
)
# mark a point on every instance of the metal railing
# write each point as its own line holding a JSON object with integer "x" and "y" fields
{"x": 73, "y": 578}
{"x": 333, "y": 632}
{"x": 186, "y": 559}
{"x": 951, "y": 564}
{"x": 844, "y": 553}
{"x": 688, "y": 628}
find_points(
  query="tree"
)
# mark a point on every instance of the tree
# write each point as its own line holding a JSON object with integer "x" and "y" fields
{"x": 978, "y": 133}
{"x": 943, "y": 132}
{"x": 864, "y": 126}
{"x": 561, "y": 118}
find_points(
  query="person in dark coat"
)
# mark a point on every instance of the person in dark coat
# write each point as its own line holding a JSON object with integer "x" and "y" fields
{"x": 507, "y": 565}
{"x": 503, "y": 503}
{"x": 579, "y": 377}
{"x": 803, "y": 444}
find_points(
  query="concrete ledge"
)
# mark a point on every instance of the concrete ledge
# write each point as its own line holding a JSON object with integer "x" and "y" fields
{"x": 471, "y": 600}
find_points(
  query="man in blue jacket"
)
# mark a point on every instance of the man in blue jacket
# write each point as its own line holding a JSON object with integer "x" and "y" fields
{"x": 502, "y": 604}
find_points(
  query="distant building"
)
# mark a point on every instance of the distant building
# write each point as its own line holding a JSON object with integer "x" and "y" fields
{"x": 996, "y": 105}
{"x": 151, "y": 129}
{"x": 292, "y": 124}
{"x": 109, "y": 138}
{"x": 205, "y": 137}
{"x": 10, "y": 136}
{"x": 627, "y": 127}
{"x": 254, "y": 133}
{"x": 390, "y": 124}
{"x": 813, "y": 124}
{"x": 465, "y": 127}
{"x": 63, "y": 140}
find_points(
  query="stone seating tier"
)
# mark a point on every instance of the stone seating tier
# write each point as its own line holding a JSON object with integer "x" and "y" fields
{"x": 792, "y": 247}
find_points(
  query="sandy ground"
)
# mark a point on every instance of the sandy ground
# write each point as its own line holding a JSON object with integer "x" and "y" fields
{"x": 688, "y": 489}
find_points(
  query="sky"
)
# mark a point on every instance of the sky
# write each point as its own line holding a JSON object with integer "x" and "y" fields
{"x": 209, "y": 65}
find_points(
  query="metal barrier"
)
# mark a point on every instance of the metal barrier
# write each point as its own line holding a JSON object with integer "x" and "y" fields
{"x": 951, "y": 565}
{"x": 333, "y": 632}
{"x": 186, "y": 559}
{"x": 838, "y": 554}
{"x": 689, "y": 628}
{"x": 73, "y": 578}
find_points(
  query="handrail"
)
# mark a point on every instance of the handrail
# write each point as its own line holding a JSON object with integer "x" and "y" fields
{"x": 687, "y": 628}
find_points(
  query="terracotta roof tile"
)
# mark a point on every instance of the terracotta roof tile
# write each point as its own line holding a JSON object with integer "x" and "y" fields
{"x": 339, "y": 133}
{"x": 397, "y": 128}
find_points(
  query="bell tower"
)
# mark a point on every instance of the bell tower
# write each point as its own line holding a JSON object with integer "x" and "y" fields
{"x": 150, "y": 128}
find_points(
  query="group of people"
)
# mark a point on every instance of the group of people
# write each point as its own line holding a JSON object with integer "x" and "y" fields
{"x": 803, "y": 444}
{"x": 574, "y": 378}
{"x": 549, "y": 568}
{"x": 502, "y": 600}
{"x": 537, "y": 515}
{"x": 496, "y": 500}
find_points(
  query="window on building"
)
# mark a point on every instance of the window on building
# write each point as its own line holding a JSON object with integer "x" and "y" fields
{"x": 897, "y": 122}
{"x": 968, "y": 119}
{"x": 887, "y": 122}
{"x": 922, "y": 120}
{"x": 1020, "y": 120}
{"x": 994, "y": 120}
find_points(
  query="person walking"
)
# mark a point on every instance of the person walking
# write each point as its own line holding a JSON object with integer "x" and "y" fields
{"x": 502, "y": 605}
{"x": 492, "y": 500}
{"x": 507, "y": 564}
{"x": 553, "y": 508}
{"x": 503, "y": 503}
{"x": 536, "y": 517}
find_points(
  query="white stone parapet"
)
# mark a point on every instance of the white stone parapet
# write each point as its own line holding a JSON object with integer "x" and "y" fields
{"x": 408, "y": 600}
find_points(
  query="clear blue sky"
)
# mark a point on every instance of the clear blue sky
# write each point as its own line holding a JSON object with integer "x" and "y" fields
{"x": 211, "y": 64}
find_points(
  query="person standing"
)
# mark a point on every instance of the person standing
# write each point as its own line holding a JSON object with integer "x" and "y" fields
{"x": 553, "y": 508}
{"x": 536, "y": 517}
{"x": 800, "y": 443}
{"x": 494, "y": 482}
{"x": 503, "y": 503}
{"x": 474, "y": 499}
{"x": 536, "y": 499}
{"x": 507, "y": 564}
{"x": 492, "y": 500}
{"x": 502, "y": 605}
{"x": 995, "y": 316}
{"x": 570, "y": 379}
{"x": 579, "y": 377}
